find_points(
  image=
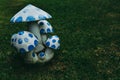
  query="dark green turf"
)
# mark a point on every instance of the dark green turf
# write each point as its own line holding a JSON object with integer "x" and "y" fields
{"x": 90, "y": 41}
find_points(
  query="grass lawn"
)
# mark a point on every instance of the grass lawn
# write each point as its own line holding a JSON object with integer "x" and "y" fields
{"x": 90, "y": 41}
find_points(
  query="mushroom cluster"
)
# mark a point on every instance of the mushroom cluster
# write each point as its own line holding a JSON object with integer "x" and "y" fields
{"x": 35, "y": 45}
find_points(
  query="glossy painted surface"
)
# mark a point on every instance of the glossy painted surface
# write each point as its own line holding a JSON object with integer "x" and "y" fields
{"x": 30, "y": 13}
{"x": 45, "y": 27}
{"x": 53, "y": 42}
{"x": 24, "y": 41}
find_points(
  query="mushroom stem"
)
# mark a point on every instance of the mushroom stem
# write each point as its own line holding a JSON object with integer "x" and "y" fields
{"x": 49, "y": 54}
{"x": 34, "y": 28}
{"x": 44, "y": 38}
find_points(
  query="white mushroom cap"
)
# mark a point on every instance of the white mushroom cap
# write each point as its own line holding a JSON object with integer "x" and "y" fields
{"x": 45, "y": 27}
{"x": 53, "y": 42}
{"x": 30, "y": 13}
{"x": 24, "y": 41}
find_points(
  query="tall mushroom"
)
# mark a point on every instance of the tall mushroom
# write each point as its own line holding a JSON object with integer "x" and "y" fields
{"x": 31, "y": 15}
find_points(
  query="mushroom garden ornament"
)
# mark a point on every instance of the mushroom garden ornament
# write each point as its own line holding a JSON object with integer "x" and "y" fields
{"x": 36, "y": 45}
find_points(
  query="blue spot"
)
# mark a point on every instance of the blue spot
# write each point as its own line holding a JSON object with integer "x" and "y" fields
{"x": 59, "y": 41}
{"x": 12, "y": 20}
{"x": 44, "y": 17}
{"x": 20, "y": 41}
{"x": 48, "y": 24}
{"x": 53, "y": 40}
{"x": 30, "y": 47}
{"x": 30, "y": 35}
{"x": 25, "y": 10}
{"x": 41, "y": 17}
{"x": 30, "y": 18}
{"x": 35, "y": 42}
{"x": 41, "y": 23}
{"x": 26, "y": 39}
{"x": 33, "y": 54}
{"x": 12, "y": 40}
{"x": 48, "y": 30}
{"x": 22, "y": 50}
{"x": 47, "y": 43}
{"x": 53, "y": 46}
{"x": 19, "y": 19}
{"x": 42, "y": 31}
{"x": 42, "y": 54}
{"x": 21, "y": 32}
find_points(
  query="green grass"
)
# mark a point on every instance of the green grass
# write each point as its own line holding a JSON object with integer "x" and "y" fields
{"x": 90, "y": 41}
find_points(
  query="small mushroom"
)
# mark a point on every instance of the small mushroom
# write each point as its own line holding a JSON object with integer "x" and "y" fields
{"x": 53, "y": 42}
{"x": 24, "y": 41}
{"x": 45, "y": 56}
{"x": 31, "y": 57}
{"x": 31, "y": 15}
{"x": 45, "y": 27}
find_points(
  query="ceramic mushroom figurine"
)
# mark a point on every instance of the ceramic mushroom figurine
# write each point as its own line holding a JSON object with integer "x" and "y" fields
{"x": 31, "y": 15}
{"x": 25, "y": 42}
{"x": 35, "y": 44}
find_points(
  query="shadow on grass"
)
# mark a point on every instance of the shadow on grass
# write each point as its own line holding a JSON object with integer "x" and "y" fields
{"x": 14, "y": 68}
{"x": 18, "y": 64}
